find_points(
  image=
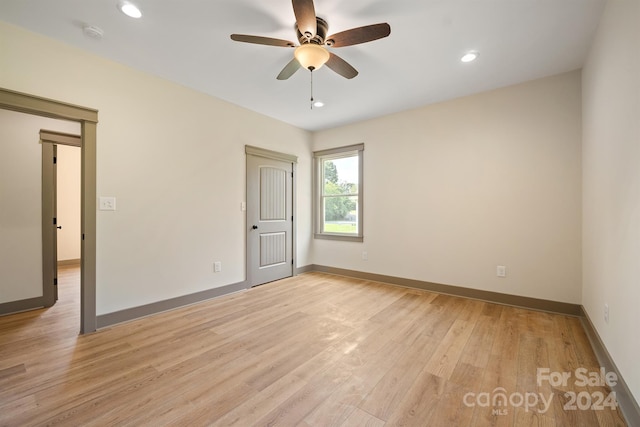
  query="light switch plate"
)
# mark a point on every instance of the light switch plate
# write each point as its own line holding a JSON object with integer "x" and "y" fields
{"x": 107, "y": 203}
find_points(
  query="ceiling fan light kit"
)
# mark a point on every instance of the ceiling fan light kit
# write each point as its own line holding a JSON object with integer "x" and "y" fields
{"x": 311, "y": 56}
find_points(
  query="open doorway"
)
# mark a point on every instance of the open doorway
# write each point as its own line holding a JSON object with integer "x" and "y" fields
{"x": 27, "y": 217}
{"x": 87, "y": 119}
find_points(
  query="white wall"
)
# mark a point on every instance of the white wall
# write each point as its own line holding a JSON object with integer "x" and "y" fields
{"x": 452, "y": 190}
{"x": 21, "y": 201}
{"x": 68, "y": 202}
{"x": 175, "y": 161}
{"x": 611, "y": 185}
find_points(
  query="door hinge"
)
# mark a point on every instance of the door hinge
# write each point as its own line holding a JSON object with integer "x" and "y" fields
{"x": 55, "y": 282}
{"x": 291, "y": 174}
{"x": 291, "y": 218}
{"x": 291, "y": 262}
{"x": 82, "y": 236}
{"x": 55, "y": 160}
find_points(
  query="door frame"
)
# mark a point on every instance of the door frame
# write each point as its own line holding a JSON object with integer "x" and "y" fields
{"x": 283, "y": 157}
{"x": 88, "y": 119}
{"x": 50, "y": 139}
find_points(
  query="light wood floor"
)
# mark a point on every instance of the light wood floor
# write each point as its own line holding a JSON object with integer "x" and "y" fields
{"x": 314, "y": 350}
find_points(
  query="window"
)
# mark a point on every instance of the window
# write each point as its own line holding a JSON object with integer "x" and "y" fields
{"x": 338, "y": 193}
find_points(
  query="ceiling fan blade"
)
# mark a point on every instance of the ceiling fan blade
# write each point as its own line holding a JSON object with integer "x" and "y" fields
{"x": 261, "y": 40}
{"x": 359, "y": 35}
{"x": 341, "y": 66}
{"x": 305, "y": 17}
{"x": 289, "y": 69}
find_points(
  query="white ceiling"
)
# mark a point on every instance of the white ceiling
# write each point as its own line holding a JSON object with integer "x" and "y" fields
{"x": 187, "y": 41}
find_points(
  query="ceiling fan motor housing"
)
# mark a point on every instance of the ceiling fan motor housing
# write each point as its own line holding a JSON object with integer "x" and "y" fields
{"x": 321, "y": 33}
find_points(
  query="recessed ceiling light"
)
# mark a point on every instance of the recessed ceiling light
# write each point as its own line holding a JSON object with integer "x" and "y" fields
{"x": 318, "y": 104}
{"x": 469, "y": 56}
{"x": 129, "y": 9}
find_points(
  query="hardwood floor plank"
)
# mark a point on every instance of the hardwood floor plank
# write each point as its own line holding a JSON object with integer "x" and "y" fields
{"x": 532, "y": 354}
{"x": 570, "y": 417}
{"x": 450, "y": 409}
{"x": 11, "y": 371}
{"x": 419, "y": 403}
{"x": 445, "y": 358}
{"x": 250, "y": 410}
{"x": 364, "y": 376}
{"x": 360, "y": 418}
{"x": 303, "y": 401}
{"x": 585, "y": 356}
{"x": 285, "y": 356}
{"x": 562, "y": 354}
{"x": 441, "y": 316}
{"x": 15, "y": 409}
{"x": 339, "y": 405}
{"x": 478, "y": 348}
{"x": 398, "y": 310}
{"x": 391, "y": 389}
{"x": 200, "y": 406}
{"x": 162, "y": 391}
{"x": 63, "y": 402}
{"x": 500, "y": 373}
{"x": 524, "y": 418}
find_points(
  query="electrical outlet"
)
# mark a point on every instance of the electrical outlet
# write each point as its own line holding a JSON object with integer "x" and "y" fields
{"x": 501, "y": 271}
{"x": 217, "y": 267}
{"x": 365, "y": 256}
{"x": 606, "y": 313}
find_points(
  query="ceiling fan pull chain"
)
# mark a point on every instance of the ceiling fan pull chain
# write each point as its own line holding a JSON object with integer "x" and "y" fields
{"x": 311, "y": 69}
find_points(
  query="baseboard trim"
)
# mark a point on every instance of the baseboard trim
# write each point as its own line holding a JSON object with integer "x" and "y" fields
{"x": 13, "y": 307}
{"x": 66, "y": 262}
{"x": 626, "y": 402}
{"x": 306, "y": 269}
{"x": 495, "y": 297}
{"x": 109, "y": 319}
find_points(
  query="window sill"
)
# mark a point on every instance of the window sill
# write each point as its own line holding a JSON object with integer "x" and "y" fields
{"x": 342, "y": 237}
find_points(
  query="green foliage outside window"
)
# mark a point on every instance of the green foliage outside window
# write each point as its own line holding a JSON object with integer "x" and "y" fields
{"x": 343, "y": 204}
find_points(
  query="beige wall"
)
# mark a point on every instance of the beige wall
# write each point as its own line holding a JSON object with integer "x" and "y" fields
{"x": 175, "y": 161}
{"x": 68, "y": 168}
{"x": 20, "y": 203}
{"x": 611, "y": 185}
{"x": 452, "y": 190}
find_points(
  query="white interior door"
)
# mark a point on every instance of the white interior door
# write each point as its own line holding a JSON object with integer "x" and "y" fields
{"x": 269, "y": 219}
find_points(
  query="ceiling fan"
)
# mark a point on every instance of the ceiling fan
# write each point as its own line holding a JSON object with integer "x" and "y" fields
{"x": 312, "y": 35}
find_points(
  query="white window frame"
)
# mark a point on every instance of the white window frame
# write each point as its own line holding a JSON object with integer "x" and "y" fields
{"x": 318, "y": 196}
